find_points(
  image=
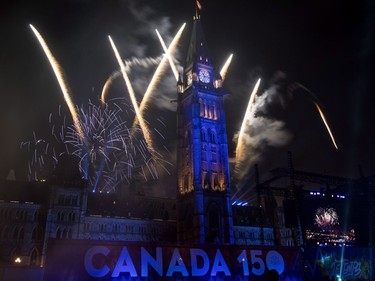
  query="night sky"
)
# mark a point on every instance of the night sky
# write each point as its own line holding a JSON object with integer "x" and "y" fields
{"x": 326, "y": 46}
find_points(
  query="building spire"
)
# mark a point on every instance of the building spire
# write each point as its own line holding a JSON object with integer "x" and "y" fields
{"x": 198, "y": 50}
{"x": 198, "y": 7}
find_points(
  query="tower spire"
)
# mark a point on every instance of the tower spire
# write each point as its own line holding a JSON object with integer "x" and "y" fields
{"x": 198, "y": 7}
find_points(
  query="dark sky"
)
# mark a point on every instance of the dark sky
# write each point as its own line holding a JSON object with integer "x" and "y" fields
{"x": 326, "y": 46}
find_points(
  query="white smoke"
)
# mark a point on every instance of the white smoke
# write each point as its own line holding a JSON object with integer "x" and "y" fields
{"x": 143, "y": 48}
{"x": 262, "y": 130}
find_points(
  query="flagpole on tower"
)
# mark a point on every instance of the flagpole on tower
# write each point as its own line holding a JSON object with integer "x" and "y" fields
{"x": 198, "y": 6}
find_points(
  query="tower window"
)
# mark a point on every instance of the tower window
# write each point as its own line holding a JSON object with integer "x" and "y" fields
{"x": 204, "y": 135}
{"x": 212, "y": 136}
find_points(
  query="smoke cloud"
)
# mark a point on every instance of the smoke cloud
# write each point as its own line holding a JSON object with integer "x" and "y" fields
{"x": 262, "y": 129}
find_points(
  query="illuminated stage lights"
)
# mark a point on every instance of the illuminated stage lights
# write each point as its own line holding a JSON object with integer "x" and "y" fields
{"x": 313, "y": 193}
{"x": 235, "y": 203}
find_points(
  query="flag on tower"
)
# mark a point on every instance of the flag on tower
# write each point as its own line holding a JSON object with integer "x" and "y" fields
{"x": 199, "y": 5}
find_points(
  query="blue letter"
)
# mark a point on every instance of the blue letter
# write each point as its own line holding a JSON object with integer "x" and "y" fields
{"x": 219, "y": 265}
{"x": 195, "y": 271}
{"x": 173, "y": 267}
{"x": 120, "y": 267}
{"x": 147, "y": 259}
{"x": 91, "y": 270}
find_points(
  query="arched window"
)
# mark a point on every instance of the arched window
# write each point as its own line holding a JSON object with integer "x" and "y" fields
{"x": 206, "y": 180}
{"x": 5, "y": 233}
{"x": 34, "y": 234}
{"x": 39, "y": 233}
{"x": 34, "y": 257}
{"x": 21, "y": 233}
{"x": 204, "y": 152}
{"x": 58, "y": 233}
{"x": 210, "y": 112}
{"x": 216, "y": 182}
{"x": 213, "y": 136}
{"x": 36, "y": 215}
{"x": 15, "y": 233}
{"x": 204, "y": 135}
{"x": 201, "y": 108}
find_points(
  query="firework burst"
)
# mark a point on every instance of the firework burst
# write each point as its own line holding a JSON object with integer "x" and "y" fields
{"x": 108, "y": 158}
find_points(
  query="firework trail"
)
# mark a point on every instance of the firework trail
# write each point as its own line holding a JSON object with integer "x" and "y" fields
{"x": 326, "y": 124}
{"x": 107, "y": 84}
{"x": 57, "y": 70}
{"x": 249, "y": 115}
{"x": 316, "y": 102}
{"x": 159, "y": 70}
{"x": 224, "y": 69}
{"x": 296, "y": 85}
{"x": 139, "y": 117}
{"x": 144, "y": 62}
{"x": 166, "y": 53}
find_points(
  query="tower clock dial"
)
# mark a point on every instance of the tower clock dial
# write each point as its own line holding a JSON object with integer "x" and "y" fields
{"x": 204, "y": 76}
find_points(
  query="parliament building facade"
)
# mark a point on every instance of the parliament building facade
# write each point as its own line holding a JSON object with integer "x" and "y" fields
{"x": 33, "y": 213}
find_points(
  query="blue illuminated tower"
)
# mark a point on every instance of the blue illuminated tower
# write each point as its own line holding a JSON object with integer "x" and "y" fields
{"x": 204, "y": 208}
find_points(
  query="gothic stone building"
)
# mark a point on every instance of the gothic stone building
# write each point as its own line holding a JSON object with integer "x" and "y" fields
{"x": 31, "y": 213}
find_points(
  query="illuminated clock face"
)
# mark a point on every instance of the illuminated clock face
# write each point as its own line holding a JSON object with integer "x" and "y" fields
{"x": 204, "y": 76}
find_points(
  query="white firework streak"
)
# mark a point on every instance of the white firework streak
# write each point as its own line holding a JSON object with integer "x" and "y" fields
{"x": 158, "y": 72}
{"x": 249, "y": 115}
{"x": 137, "y": 110}
{"x": 224, "y": 69}
{"x": 57, "y": 70}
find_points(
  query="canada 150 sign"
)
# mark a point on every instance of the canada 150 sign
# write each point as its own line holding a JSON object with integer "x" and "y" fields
{"x": 90, "y": 260}
{"x": 251, "y": 261}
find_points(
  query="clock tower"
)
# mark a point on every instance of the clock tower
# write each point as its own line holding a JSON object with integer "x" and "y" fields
{"x": 204, "y": 206}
